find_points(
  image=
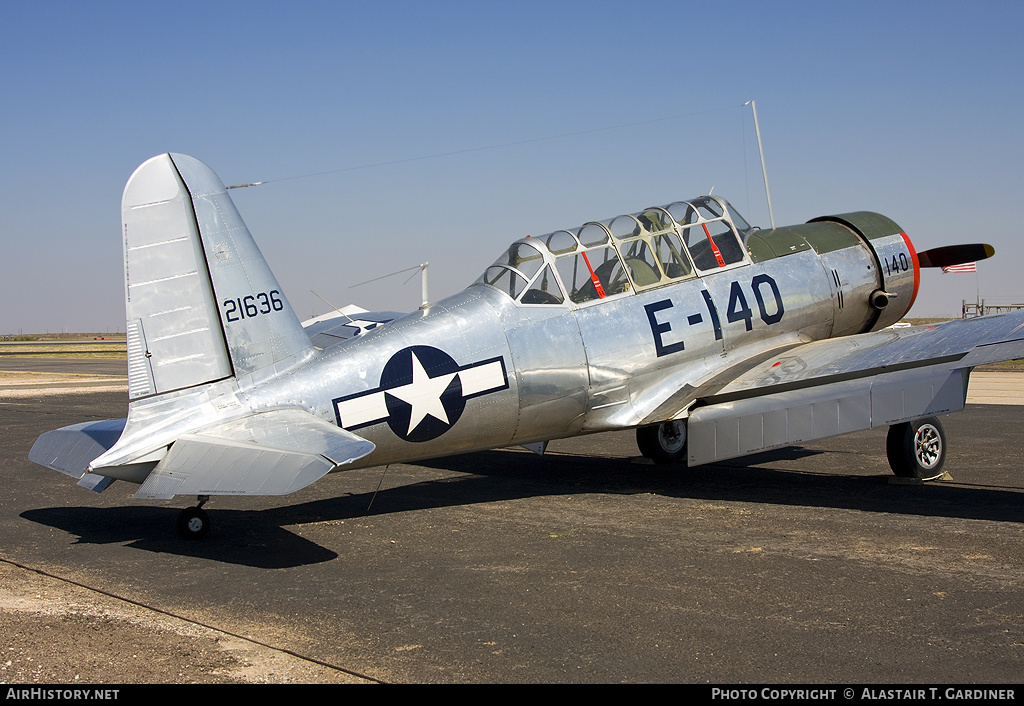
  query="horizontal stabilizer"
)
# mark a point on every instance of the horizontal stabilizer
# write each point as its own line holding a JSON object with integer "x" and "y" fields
{"x": 271, "y": 453}
{"x": 297, "y": 431}
{"x": 70, "y": 450}
{"x": 345, "y": 324}
{"x": 95, "y": 483}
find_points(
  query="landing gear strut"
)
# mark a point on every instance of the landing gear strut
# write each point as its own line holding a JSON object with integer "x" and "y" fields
{"x": 917, "y": 449}
{"x": 193, "y": 522}
{"x": 663, "y": 443}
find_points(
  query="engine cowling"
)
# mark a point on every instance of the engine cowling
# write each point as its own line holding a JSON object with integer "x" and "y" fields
{"x": 897, "y": 271}
{"x": 869, "y": 262}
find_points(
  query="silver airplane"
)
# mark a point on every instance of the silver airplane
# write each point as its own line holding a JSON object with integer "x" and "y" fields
{"x": 712, "y": 338}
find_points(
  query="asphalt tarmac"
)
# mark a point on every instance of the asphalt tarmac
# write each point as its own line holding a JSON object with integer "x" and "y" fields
{"x": 805, "y": 565}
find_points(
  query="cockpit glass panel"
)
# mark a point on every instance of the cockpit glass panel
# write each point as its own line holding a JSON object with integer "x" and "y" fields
{"x": 725, "y": 239}
{"x": 712, "y": 245}
{"x": 668, "y": 248}
{"x": 640, "y": 262}
{"x": 709, "y": 208}
{"x": 560, "y": 242}
{"x": 698, "y": 242}
{"x": 655, "y": 220}
{"x": 739, "y": 221}
{"x": 683, "y": 213}
{"x": 544, "y": 290}
{"x": 503, "y": 279}
{"x": 593, "y": 234}
{"x": 624, "y": 227}
{"x": 523, "y": 257}
{"x": 526, "y": 258}
{"x": 594, "y": 274}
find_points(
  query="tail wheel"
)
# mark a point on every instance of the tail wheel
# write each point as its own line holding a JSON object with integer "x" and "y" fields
{"x": 663, "y": 443}
{"x": 917, "y": 449}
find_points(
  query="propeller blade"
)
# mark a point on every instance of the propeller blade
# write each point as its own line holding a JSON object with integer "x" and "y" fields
{"x": 955, "y": 255}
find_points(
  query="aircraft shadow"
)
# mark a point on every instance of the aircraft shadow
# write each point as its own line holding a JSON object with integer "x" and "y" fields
{"x": 741, "y": 480}
{"x": 252, "y": 537}
{"x": 260, "y": 538}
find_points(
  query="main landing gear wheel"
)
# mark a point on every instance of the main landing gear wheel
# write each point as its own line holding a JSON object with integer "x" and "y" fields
{"x": 193, "y": 522}
{"x": 663, "y": 443}
{"x": 917, "y": 449}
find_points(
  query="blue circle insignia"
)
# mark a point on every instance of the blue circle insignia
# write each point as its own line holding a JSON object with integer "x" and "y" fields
{"x": 423, "y": 393}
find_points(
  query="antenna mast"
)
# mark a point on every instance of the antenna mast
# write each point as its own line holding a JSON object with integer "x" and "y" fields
{"x": 764, "y": 172}
{"x": 425, "y": 304}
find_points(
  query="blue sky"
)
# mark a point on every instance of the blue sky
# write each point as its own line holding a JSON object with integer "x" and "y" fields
{"x": 584, "y": 110}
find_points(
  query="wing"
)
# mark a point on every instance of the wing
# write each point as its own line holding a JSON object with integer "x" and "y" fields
{"x": 836, "y": 386}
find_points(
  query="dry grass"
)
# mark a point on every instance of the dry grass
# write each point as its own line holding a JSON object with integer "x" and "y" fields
{"x": 40, "y": 349}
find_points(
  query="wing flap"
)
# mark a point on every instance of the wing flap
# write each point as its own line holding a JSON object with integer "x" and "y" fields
{"x": 271, "y": 453}
{"x": 743, "y": 426}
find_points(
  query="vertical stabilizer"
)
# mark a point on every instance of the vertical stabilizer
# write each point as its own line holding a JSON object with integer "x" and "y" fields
{"x": 201, "y": 302}
{"x": 175, "y": 339}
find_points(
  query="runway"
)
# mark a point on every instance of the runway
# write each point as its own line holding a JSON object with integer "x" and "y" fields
{"x": 803, "y": 565}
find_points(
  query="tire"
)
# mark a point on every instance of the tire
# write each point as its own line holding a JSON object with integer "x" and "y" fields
{"x": 193, "y": 523}
{"x": 663, "y": 443}
{"x": 917, "y": 449}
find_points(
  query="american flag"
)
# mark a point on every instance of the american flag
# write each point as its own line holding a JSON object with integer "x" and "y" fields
{"x": 969, "y": 267}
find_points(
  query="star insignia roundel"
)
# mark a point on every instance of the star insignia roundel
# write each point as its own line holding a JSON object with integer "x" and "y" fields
{"x": 422, "y": 393}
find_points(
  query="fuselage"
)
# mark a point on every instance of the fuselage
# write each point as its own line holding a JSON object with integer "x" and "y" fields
{"x": 524, "y": 355}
